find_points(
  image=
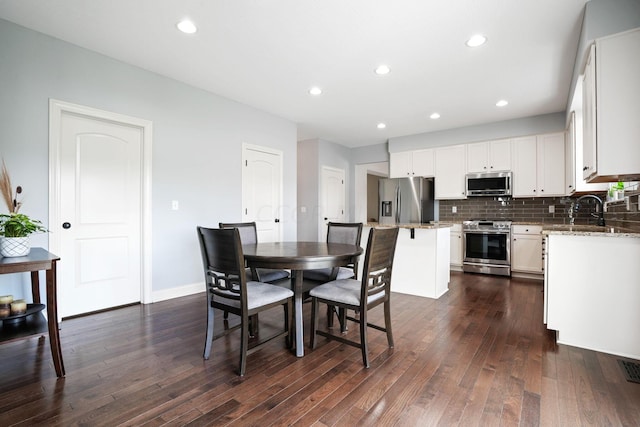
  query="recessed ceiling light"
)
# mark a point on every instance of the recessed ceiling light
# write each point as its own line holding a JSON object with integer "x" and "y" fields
{"x": 315, "y": 91}
{"x": 476, "y": 40}
{"x": 381, "y": 70}
{"x": 502, "y": 103}
{"x": 381, "y": 126}
{"x": 187, "y": 26}
{"x": 435, "y": 116}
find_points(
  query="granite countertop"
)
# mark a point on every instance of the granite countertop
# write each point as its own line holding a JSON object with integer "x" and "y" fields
{"x": 429, "y": 226}
{"x": 587, "y": 230}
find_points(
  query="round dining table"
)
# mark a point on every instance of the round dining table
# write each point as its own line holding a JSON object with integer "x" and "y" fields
{"x": 297, "y": 257}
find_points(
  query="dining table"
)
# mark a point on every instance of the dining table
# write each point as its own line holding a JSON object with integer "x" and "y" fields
{"x": 298, "y": 257}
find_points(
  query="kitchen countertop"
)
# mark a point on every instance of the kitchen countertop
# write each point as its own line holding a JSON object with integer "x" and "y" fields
{"x": 413, "y": 225}
{"x": 587, "y": 230}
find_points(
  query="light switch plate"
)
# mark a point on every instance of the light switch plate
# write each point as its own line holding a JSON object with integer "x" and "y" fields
{"x": 454, "y": 209}
{"x": 175, "y": 205}
{"x": 552, "y": 209}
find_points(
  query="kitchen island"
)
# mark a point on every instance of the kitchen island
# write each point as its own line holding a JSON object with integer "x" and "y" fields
{"x": 592, "y": 288}
{"x": 421, "y": 263}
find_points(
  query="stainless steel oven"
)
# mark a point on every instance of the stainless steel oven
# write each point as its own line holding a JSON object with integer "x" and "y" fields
{"x": 487, "y": 247}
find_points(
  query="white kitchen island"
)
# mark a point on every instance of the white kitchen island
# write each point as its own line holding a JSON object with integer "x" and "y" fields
{"x": 421, "y": 263}
{"x": 592, "y": 289}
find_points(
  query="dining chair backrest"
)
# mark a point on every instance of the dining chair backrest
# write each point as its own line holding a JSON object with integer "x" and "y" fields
{"x": 341, "y": 232}
{"x": 248, "y": 231}
{"x": 349, "y": 233}
{"x": 223, "y": 262}
{"x": 378, "y": 262}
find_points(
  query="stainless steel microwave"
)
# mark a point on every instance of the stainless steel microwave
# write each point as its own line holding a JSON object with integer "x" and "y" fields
{"x": 489, "y": 184}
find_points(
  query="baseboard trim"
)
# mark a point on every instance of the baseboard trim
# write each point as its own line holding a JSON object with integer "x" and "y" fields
{"x": 522, "y": 275}
{"x": 177, "y": 292}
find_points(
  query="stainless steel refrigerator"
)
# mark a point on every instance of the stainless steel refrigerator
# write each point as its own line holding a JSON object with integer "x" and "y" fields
{"x": 406, "y": 200}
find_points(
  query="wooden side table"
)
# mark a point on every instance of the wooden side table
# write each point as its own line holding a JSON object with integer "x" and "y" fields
{"x": 38, "y": 259}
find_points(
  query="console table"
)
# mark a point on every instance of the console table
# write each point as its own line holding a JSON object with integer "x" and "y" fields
{"x": 38, "y": 259}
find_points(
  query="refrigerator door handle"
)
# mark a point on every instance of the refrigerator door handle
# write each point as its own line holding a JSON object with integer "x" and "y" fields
{"x": 398, "y": 205}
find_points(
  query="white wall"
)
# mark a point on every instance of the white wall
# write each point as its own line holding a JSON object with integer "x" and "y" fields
{"x": 197, "y": 142}
{"x": 313, "y": 154}
{"x": 602, "y": 18}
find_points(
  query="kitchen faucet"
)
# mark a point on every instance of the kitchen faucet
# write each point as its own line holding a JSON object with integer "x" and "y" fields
{"x": 599, "y": 212}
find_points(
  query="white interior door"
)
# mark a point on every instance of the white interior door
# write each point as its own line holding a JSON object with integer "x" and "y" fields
{"x": 332, "y": 199}
{"x": 99, "y": 213}
{"x": 262, "y": 191}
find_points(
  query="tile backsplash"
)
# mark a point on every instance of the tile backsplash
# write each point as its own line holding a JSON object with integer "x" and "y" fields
{"x": 624, "y": 214}
{"x": 520, "y": 210}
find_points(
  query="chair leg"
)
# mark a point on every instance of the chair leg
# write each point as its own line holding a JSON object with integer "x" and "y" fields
{"x": 254, "y": 327}
{"x": 226, "y": 314}
{"x": 330, "y": 309}
{"x": 363, "y": 338}
{"x": 342, "y": 317}
{"x": 244, "y": 344}
{"x": 314, "y": 322}
{"x": 209, "y": 339}
{"x": 387, "y": 322}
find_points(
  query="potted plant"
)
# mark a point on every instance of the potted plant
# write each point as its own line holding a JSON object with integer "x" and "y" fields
{"x": 15, "y": 228}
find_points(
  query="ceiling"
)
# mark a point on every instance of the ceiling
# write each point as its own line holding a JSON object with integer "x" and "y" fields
{"x": 268, "y": 54}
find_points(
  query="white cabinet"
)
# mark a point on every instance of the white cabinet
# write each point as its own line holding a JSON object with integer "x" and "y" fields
{"x": 574, "y": 180}
{"x": 550, "y": 164}
{"x": 421, "y": 261}
{"x": 524, "y": 166}
{"x": 450, "y": 167}
{"x": 592, "y": 293}
{"x": 456, "y": 245}
{"x": 526, "y": 248}
{"x": 539, "y": 165}
{"x": 611, "y": 108}
{"x": 411, "y": 163}
{"x": 489, "y": 156}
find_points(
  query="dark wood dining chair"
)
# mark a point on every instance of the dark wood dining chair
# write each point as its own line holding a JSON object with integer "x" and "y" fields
{"x": 249, "y": 235}
{"x": 372, "y": 290}
{"x": 229, "y": 290}
{"x": 339, "y": 232}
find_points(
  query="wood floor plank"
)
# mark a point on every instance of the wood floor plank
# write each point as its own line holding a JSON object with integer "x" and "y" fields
{"x": 480, "y": 355}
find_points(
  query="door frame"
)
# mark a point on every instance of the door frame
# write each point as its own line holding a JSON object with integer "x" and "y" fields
{"x": 56, "y": 109}
{"x": 245, "y": 147}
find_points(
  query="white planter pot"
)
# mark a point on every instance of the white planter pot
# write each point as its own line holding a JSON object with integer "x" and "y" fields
{"x": 14, "y": 246}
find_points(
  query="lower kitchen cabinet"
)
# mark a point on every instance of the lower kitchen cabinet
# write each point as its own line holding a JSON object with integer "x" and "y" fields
{"x": 421, "y": 262}
{"x": 456, "y": 246}
{"x": 526, "y": 249}
{"x": 592, "y": 293}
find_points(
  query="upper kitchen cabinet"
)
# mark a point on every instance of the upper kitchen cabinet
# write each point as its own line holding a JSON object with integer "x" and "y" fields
{"x": 489, "y": 156}
{"x": 450, "y": 166}
{"x": 611, "y": 108}
{"x": 539, "y": 165}
{"x": 411, "y": 163}
{"x": 574, "y": 181}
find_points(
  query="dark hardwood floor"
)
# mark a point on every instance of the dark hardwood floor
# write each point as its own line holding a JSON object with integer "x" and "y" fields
{"x": 479, "y": 355}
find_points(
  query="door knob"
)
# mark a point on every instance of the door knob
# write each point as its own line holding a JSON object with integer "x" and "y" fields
{"x": 277, "y": 220}
{"x": 66, "y": 225}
